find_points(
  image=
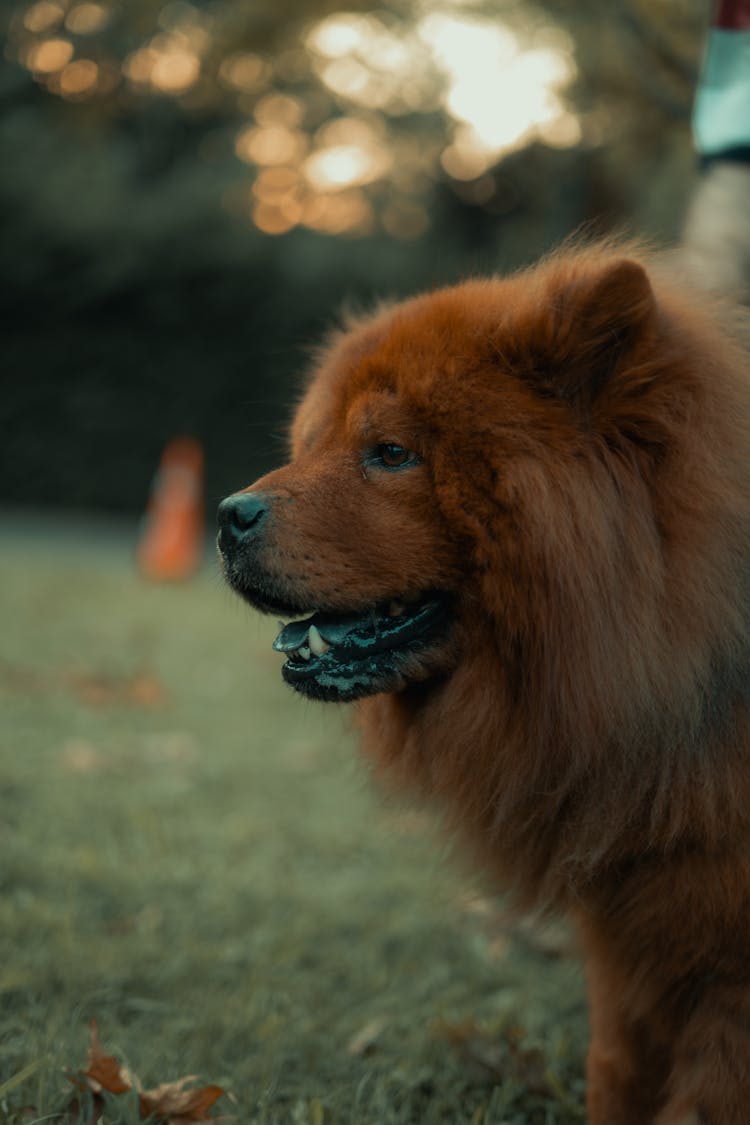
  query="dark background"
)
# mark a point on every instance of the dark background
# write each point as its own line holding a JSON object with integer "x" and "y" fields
{"x": 147, "y": 292}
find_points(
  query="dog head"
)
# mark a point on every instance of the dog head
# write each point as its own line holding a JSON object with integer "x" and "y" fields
{"x": 443, "y": 459}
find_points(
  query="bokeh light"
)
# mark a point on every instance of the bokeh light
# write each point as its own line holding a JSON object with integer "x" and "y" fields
{"x": 346, "y": 165}
{"x": 44, "y": 16}
{"x": 360, "y": 113}
{"x": 346, "y": 213}
{"x": 79, "y": 78}
{"x": 49, "y": 55}
{"x": 270, "y": 144}
{"x": 195, "y": 185}
{"x": 245, "y": 72}
{"x": 500, "y": 92}
{"x": 175, "y": 69}
{"x": 87, "y": 19}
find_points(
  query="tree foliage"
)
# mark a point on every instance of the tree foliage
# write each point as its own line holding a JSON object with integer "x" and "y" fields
{"x": 190, "y": 189}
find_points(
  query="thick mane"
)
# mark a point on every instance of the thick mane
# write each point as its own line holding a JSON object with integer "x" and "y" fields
{"x": 610, "y": 545}
{"x": 515, "y": 532}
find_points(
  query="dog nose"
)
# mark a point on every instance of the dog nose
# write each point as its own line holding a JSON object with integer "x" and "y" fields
{"x": 240, "y": 515}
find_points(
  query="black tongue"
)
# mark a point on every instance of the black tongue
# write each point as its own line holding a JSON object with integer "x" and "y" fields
{"x": 292, "y": 635}
{"x": 334, "y": 630}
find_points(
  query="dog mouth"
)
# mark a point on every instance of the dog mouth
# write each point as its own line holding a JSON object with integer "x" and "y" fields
{"x": 344, "y": 656}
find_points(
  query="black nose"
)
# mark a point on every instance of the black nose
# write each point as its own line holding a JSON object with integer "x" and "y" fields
{"x": 240, "y": 515}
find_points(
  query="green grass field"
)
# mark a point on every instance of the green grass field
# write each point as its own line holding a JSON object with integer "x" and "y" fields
{"x": 196, "y": 858}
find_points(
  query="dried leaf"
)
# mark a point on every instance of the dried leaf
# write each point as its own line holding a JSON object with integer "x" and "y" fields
{"x": 103, "y": 1072}
{"x": 170, "y": 1103}
{"x": 174, "y": 1104}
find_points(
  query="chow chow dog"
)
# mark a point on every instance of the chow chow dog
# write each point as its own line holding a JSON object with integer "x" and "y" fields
{"x": 515, "y": 530}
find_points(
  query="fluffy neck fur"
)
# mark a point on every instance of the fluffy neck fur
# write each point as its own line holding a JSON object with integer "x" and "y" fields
{"x": 601, "y": 714}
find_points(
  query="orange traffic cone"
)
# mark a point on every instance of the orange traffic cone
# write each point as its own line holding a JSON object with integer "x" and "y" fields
{"x": 171, "y": 544}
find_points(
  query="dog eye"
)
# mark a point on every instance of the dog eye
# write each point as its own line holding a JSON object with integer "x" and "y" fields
{"x": 392, "y": 456}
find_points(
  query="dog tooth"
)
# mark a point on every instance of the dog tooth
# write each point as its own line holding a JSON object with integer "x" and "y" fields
{"x": 316, "y": 642}
{"x": 304, "y": 652}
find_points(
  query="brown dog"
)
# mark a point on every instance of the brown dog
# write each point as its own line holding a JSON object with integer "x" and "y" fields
{"x": 519, "y": 513}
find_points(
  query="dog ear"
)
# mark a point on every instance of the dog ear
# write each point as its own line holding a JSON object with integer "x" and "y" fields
{"x": 592, "y": 323}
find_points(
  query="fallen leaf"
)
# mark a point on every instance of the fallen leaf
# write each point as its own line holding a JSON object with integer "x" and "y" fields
{"x": 103, "y": 1072}
{"x": 170, "y": 1103}
{"x": 173, "y": 1103}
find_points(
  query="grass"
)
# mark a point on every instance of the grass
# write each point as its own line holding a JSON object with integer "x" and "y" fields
{"x": 194, "y": 857}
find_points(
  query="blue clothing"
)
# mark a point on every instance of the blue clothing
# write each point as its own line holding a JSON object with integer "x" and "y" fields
{"x": 721, "y": 111}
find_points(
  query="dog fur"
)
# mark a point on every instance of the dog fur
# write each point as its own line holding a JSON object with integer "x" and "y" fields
{"x": 580, "y": 491}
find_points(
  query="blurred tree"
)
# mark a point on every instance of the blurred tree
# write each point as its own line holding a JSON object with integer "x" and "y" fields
{"x": 190, "y": 189}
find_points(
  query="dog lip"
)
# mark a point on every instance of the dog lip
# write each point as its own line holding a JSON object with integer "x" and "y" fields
{"x": 363, "y": 633}
{"x": 333, "y": 629}
{"x": 378, "y": 656}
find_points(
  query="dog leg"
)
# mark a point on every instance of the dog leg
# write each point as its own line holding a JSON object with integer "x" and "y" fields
{"x": 623, "y": 1081}
{"x": 710, "y": 1079}
{"x": 626, "y": 1068}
